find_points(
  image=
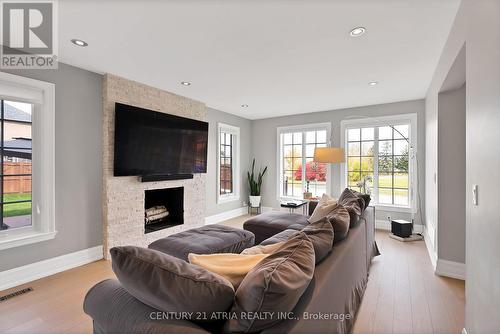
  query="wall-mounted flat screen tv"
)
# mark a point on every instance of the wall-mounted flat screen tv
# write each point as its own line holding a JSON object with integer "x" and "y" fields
{"x": 155, "y": 143}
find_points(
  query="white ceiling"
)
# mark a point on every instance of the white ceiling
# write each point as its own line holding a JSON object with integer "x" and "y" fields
{"x": 279, "y": 57}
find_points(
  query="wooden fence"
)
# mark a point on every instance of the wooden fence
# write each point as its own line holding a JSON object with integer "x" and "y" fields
{"x": 16, "y": 184}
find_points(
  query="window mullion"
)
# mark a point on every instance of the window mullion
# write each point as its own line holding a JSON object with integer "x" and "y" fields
{"x": 281, "y": 165}
{"x": 393, "y": 161}
{"x": 304, "y": 159}
{"x": 375, "y": 164}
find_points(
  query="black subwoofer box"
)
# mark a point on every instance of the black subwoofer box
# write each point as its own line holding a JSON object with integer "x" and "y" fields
{"x": 401, "y": 228}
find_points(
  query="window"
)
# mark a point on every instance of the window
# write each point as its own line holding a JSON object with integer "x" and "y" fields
{"x": 378, "y": 158}
{"x": 297, "y": 169}
{"x": 228, "y": 163}
{"x": 27, "y": 157}
{"x": 15, "y": 157}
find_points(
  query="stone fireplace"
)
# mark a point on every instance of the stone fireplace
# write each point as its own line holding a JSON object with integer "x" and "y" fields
{"x": 163, "y": 208}
{"x": 125, "y": 199}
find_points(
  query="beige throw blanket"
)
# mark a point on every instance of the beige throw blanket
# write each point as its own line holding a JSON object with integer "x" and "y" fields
{"x": 233, "y": 267}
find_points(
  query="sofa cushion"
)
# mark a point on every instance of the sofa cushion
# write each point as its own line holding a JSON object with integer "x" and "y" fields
{"x": 276, "y": 283}
{"x": 340, "y": 220}
{"x": 353, "y": 204}
{"x": 170, "y": 284}
{"x": 366, "y": 198}
{"x": 263, "y": 249}
{"x": 233, "y": 267}
{"x": 281, "y": 237}
{"x": 209, "y": 239}
{"x": 325, "y": 205}
{"x": 270, "y": 223}
{"x": 319, "y": 233}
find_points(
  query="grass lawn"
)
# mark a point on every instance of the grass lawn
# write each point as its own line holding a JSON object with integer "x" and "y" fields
{"x": 400, "y": 181}
{"x": 17, "y": 209}
{"x": 385, "y": 193}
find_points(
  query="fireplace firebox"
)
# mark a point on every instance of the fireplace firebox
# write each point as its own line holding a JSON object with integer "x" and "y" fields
{"x": 163, "y": 208}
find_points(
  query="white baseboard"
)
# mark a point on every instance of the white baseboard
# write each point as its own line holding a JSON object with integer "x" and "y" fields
{"x": 386, "y": 226}
{"x": 430, "y": 246}
{"x": 30, "y": 272}
{"x": 441, "y": 267}
{"x": 464, "y": 331}
{"x": 220, "y": 217}
{"x": 450, "y": 269}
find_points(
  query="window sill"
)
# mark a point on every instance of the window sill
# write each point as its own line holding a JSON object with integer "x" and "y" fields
{"x": 393, "y": 208}
{"x": 16, "y": 239}
{"x": 227, "y": 199}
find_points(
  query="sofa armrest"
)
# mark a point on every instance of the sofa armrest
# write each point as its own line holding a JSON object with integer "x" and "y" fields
{"x": 114, "y": 310}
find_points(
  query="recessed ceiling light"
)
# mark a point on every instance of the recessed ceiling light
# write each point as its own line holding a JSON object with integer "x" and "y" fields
{"x": 358, "y": 31}
{"x": 373, "y": 83}
{"x": 79, "y": 42}
{"x": 244, "y": 105}
{"x": 185, "y": 83}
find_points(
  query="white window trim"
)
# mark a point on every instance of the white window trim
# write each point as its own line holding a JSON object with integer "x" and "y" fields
{"x": 279, "y": 155}
{"x": 235, "y": 195}
{"x": 42, "y": 95}
{"x": 385, "y": 121}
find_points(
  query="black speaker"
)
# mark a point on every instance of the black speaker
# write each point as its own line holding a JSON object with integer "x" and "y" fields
{"x": 401, "y": 228}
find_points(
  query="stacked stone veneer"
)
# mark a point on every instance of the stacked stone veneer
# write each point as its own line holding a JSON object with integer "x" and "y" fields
{"x": 123, "y": 197}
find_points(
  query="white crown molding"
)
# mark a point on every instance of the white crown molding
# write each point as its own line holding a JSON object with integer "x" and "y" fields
{"x": 30, "y": 272}
{"x": 450, "y": 269}
{"x": 220, "y": 217}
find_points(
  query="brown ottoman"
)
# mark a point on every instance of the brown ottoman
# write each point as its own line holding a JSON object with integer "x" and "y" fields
{"x": 270, "y": 223}
{"x": 209, "y": 239}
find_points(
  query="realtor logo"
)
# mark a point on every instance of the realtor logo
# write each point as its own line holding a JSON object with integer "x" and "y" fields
{"x": 28, "y": 35}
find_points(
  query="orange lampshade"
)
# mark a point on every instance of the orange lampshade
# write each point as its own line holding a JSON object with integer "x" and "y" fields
{"x": 329, "y": 155}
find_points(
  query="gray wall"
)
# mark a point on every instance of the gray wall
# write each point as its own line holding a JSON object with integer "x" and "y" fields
{"x": 483, "y": 166}
{"x": 78, "y": 166}
{"x": 483, "y": 157}
{"x": 214, "y": 117}
{"x": 451, "y": 50}
{"x": 451, "y": 171}
{"x": 264, "y": 136}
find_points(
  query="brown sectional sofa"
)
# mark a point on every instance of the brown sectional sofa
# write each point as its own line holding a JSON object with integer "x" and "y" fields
{"x": 328, "y": 305}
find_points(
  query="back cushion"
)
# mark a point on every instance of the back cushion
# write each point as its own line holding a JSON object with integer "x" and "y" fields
{"x": 325, "y": 205}
{"x": 354, "y": 205}
{"x": 366, "y": 198}
{"x": 340, "y": 219}
{"x": 275, "y": 284}
{"x": 321, "y": 235}
{"x": 170, "y": 284}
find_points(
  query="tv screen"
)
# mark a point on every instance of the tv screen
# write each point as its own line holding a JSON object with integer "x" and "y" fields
{"x": 154, "y": 143}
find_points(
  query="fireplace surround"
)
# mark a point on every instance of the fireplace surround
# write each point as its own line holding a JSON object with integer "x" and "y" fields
{"x": 124, "y": 197}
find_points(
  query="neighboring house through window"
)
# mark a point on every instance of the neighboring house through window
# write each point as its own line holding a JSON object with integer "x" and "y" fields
{"x": 298, "y": 172}
{"x": 378, "y": 158}
{"x": 27, "y": 157}
{"x": 228, "y": 173}
{"x": 15, "y": 157}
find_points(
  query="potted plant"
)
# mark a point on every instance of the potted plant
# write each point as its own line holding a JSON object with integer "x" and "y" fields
{"x": 255, "y": 185}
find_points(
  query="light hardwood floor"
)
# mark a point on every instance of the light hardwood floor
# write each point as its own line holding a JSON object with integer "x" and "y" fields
{"x": 403, "y": 296}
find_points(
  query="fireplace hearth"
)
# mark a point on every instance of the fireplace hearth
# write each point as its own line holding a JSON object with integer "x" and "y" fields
{"x": 163, "y": 208}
